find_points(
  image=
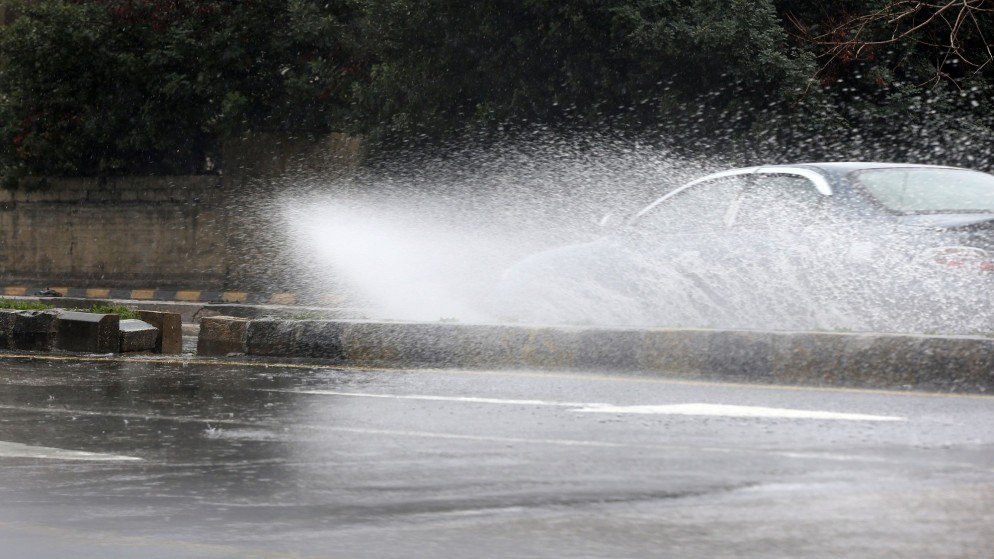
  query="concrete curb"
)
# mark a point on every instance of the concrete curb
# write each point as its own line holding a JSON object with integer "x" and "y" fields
{"x": 83, "y": 332}
{"x": 194, "y": 311}
{"x": 944, "y": 363}
{"x": 221, "y": 335}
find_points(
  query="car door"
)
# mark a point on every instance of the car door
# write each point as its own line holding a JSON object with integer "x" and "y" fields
{"x": 780, "y": 239}
{"x": 679, "y": 246}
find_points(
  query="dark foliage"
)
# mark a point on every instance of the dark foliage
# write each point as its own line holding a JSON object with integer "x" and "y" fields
{"x": 442, "y": 67}
{"x": 111, "y": 86}
{"x": 157, "y": 86}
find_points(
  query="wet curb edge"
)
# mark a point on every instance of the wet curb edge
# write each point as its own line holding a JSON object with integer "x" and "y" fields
{"x": 906, "y": 361}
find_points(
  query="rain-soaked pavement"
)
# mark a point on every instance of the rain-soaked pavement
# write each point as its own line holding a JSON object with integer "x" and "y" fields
{"x": 178, "y": 459}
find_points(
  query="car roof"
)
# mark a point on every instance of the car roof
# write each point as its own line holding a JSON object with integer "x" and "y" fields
{"x": 820, "y": 173}
{"x": 831, "y": 169}
{"x": 845, "y": 167}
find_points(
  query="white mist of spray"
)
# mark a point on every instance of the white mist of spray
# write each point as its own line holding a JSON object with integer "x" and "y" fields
{"x": 396, "y": 265}
{"x": 431, "y": 239}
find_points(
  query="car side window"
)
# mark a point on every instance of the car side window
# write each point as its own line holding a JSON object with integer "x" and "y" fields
{"x": 700, "y": 208}
{"x": 779, "y": 202}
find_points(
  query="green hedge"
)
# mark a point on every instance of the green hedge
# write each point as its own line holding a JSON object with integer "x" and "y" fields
{"x": 154, "y": 86}
{"x": 93, "y": 87}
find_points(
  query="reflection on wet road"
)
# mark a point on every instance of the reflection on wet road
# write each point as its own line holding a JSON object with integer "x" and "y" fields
{"x": 173, "y": 458}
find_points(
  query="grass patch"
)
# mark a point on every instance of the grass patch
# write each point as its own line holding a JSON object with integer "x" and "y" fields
{"x": 119, "y": 310}
{"x": 20, "y": 305}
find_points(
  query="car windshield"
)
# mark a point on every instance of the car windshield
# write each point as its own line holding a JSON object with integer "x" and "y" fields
{"x": 913, "y": 190}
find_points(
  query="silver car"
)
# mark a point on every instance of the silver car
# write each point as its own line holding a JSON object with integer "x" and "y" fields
{"x": 830, "y": 246}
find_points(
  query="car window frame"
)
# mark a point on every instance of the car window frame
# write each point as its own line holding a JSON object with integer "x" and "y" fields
{"x": 820, "y": 182}
{"x": 824, "y": 192}
{"x": 633, "y": 224}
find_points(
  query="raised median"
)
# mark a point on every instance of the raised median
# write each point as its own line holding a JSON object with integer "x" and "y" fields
{"x": 902, "y": 361}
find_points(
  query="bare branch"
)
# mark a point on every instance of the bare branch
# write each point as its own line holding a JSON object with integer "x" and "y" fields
{"x": 952, "y": 27}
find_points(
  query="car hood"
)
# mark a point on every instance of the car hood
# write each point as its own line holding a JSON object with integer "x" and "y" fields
{"x": 947, "y": 221}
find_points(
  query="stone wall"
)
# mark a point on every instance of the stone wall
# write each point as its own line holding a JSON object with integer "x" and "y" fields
{"x": 182, "y": 232}
{"x": 123, "y": 232}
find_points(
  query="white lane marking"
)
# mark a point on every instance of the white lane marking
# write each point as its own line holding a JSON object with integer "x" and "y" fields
{"x": 602, "y": 444}
{"x": 455, "y": 436}
{"x": 18, "y": 450}
{"x": 714, "y": 410}
{"x": 819, "y": 456}
{"x": 721, "y": 410}
{"x": 833, "y": 456}
{"x": 468, "y": 399}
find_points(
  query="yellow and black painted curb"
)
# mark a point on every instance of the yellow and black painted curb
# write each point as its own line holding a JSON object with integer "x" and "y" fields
{"x": 188, "y": 295}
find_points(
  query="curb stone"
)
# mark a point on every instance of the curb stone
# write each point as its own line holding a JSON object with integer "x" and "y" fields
{"x": 87, "y": 332}
{"x": 82, "y": 332}
{"x": 222, "y": 335}
{"x": 170, "y": 337}
{"x": 137, "y": 335}
{"x": 944, "y": 363}
{"x": 34, "y": 330}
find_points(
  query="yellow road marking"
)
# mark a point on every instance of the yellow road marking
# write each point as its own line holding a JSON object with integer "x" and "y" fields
{"x": 283, "y": 299}
{"x": 234, "y": 296}
{"x": 188, "y": 296}
{"x": 331, "y": 300}
{"x": 596, "y": 377}
{"x": 142, "y": 294}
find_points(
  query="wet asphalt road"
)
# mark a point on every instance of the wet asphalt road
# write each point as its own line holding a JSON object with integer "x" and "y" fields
{"x": 192, "y": 459}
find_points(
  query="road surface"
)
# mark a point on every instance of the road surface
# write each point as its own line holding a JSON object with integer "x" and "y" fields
{"x": 178, "y": 458}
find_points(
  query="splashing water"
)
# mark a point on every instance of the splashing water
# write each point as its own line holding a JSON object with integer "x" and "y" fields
{"x": 435, "y": 241}
{"x": 397, "y": 265}
{"x": 431, "y": 240}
